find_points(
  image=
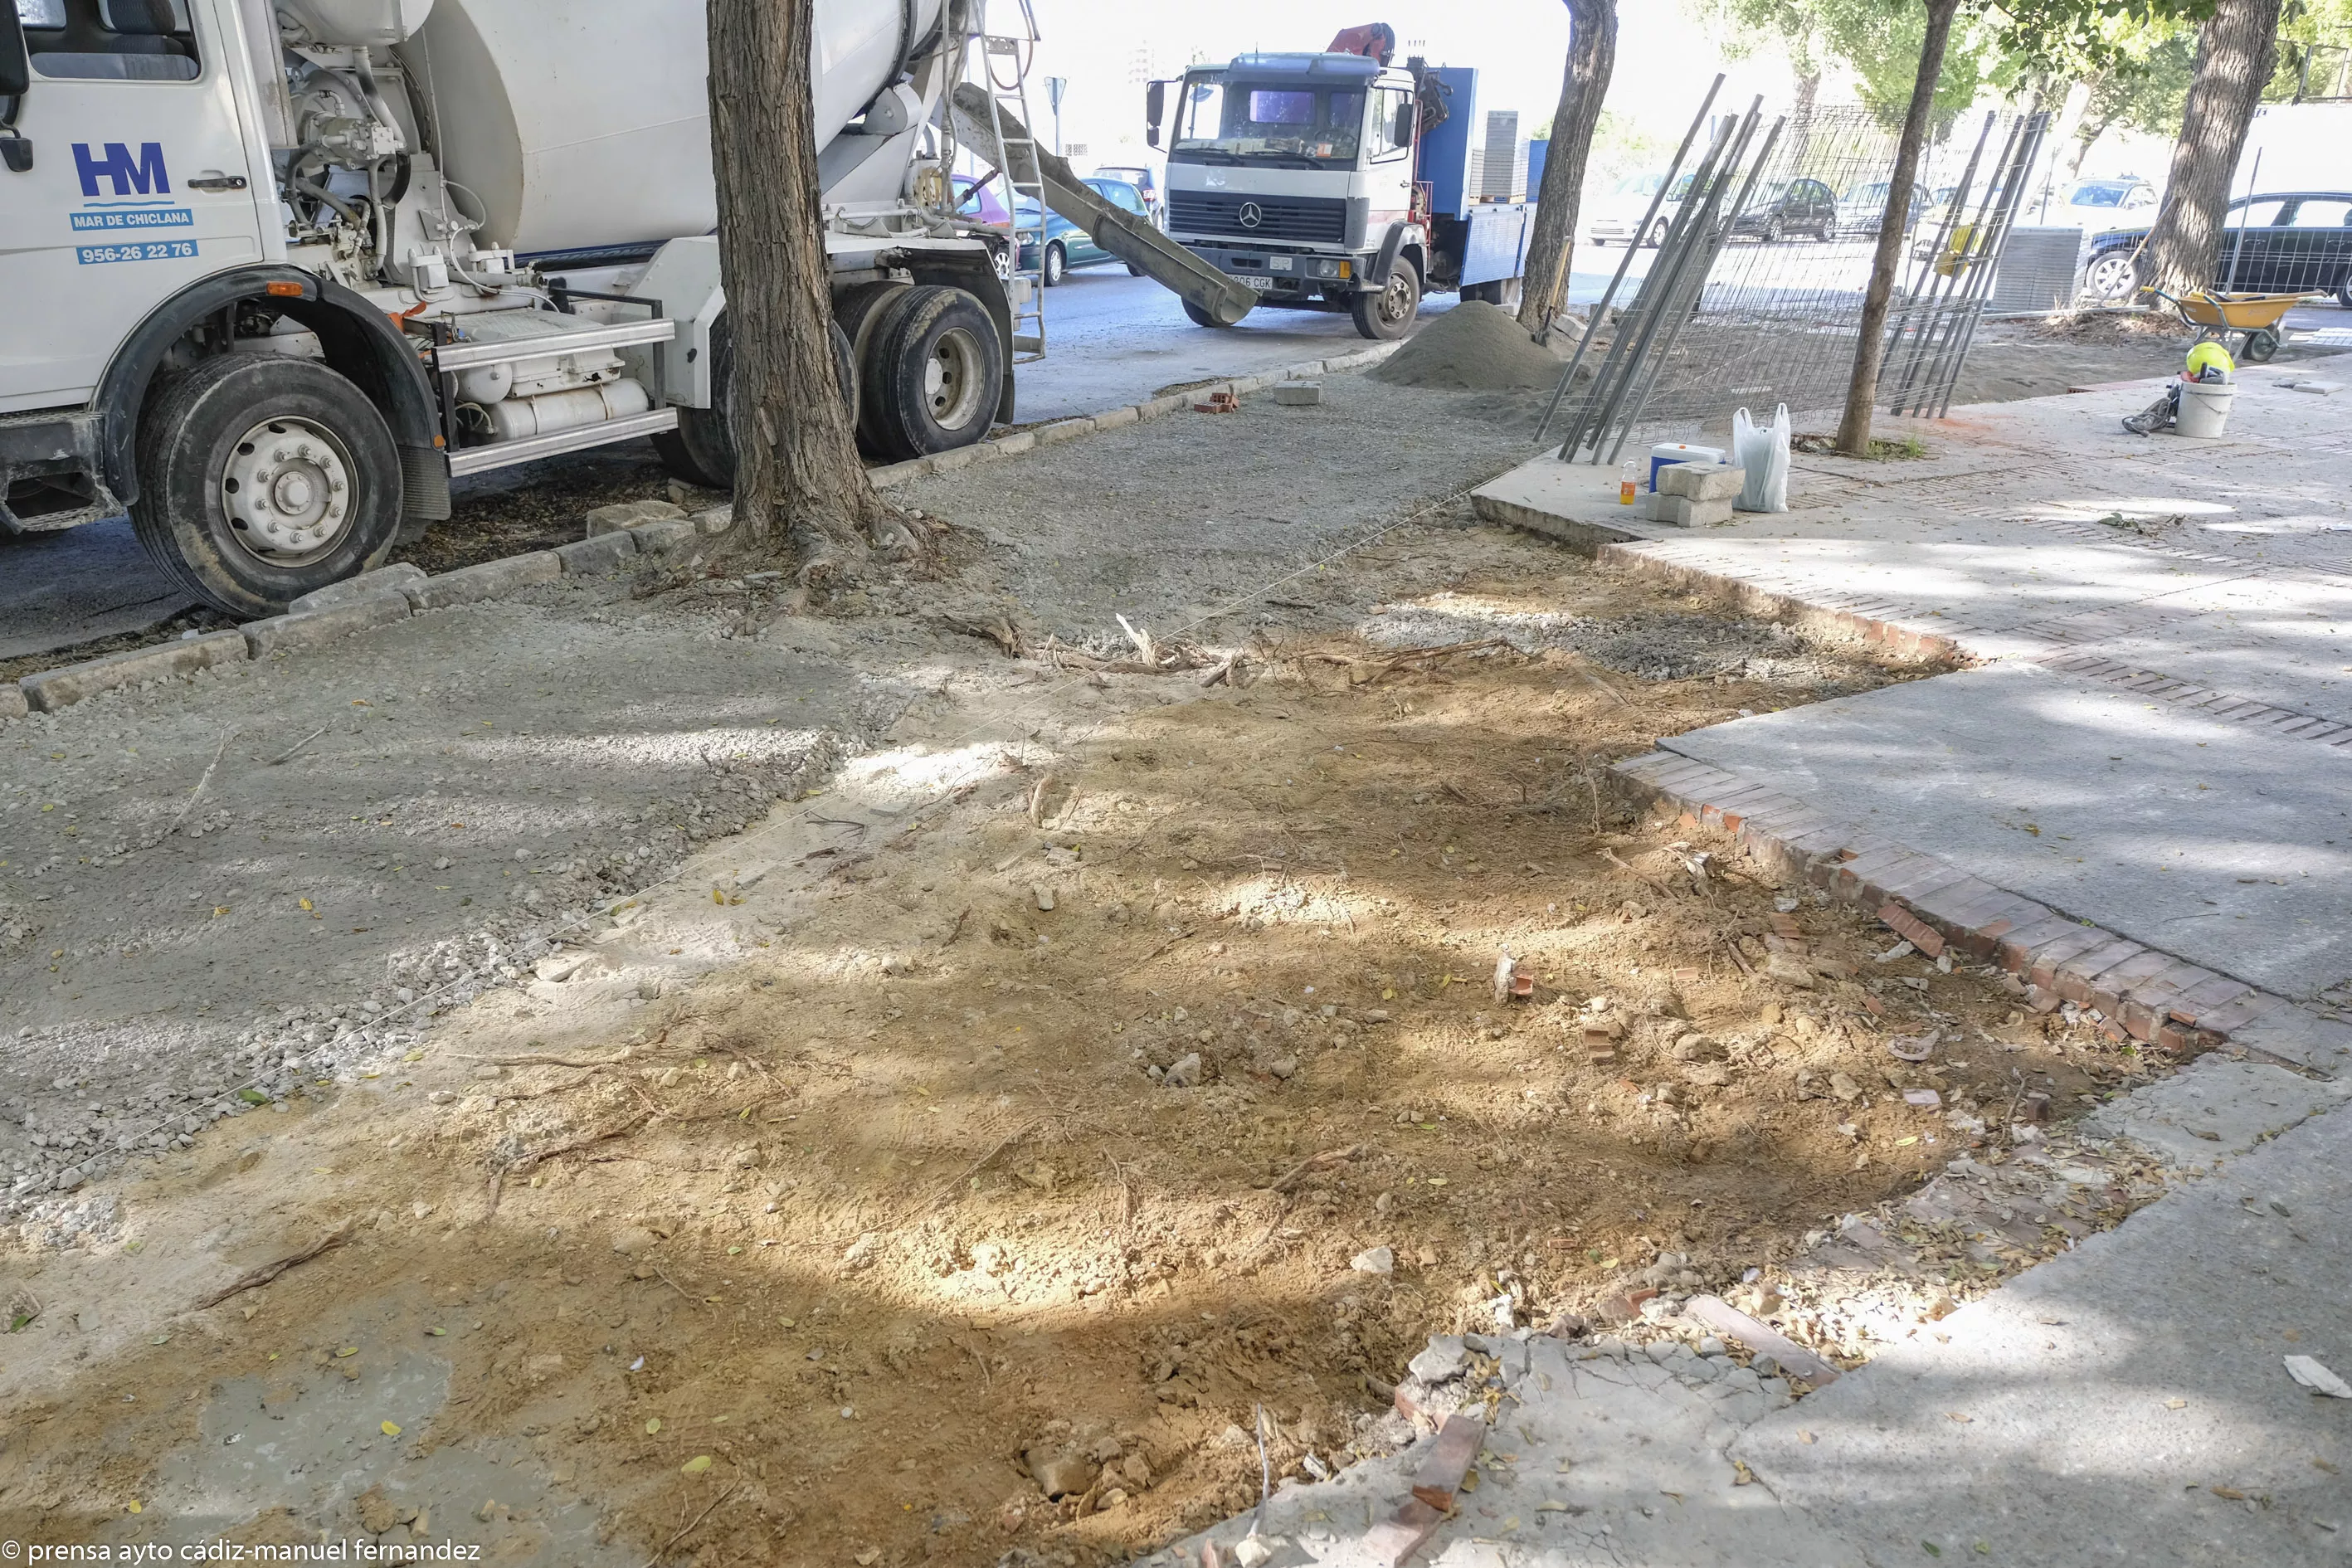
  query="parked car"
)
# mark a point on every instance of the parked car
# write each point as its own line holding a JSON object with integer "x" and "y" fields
{"x": 1066, "y": 244}
{"x": 2287, "y": 242}
{"x": 1146, "y": 183}
{"x": 1863, "y": 208}
{"x": 2093, "y": 204}
{"x": 1619, "y": 219}
{"x": 1789, "y": 207}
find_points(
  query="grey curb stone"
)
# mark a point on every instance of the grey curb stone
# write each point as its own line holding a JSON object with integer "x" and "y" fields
{"x": 663, "y": 538}
{"x": 1063, "y": 430}
{"x": 1018, "y": 442}
{"x": 890, "y": 474}
{"x": 350, "y": 589}
{"x": 600, "y": 556}
{"x": 957, "y": 458}
{"x": 12, "y": 703}
{"x": 1117, "y": 416}
{"x": 1161, "y": 407}
{"x": 55, "y": 689}
{"x": 490, "y": 580}
{"x": 291, "y": 634}
{"x": 629, "y": 514}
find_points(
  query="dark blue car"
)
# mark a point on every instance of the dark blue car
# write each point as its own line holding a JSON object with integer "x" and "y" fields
{"x": 2295, "y": 242}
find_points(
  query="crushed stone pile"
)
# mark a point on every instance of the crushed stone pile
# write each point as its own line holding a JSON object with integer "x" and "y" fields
{"x": 1474, "y": 347}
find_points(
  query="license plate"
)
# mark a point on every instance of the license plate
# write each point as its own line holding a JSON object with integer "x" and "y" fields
{"x": 1257, "y": 280}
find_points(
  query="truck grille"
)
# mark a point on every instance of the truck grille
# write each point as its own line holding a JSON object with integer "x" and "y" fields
{"x": 1312, "y": 220}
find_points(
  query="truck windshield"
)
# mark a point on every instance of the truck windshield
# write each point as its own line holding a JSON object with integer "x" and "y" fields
{"x": 1303, "y": 124}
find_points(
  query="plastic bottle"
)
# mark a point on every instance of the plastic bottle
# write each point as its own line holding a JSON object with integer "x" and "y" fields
{"x": 1629, "y": 479}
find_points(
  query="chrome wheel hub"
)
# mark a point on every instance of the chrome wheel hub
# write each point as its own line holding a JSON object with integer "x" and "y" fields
{"x": 951, "y": 380}
{"x": 287, "y": 491}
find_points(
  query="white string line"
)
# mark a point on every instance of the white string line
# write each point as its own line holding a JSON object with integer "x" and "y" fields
{"x": 366, "y": 1032}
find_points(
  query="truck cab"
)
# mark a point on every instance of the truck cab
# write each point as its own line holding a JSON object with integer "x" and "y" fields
{"x": 1295, "y": 173}
{"x": 1335, "y": 181}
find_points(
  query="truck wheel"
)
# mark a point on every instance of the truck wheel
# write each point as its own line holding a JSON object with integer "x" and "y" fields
{"x": 1388, "y": 314}
{"x": 701, "y": 450}
{"x": 863, "y": 313}
{"x": 1200, "y": 318}
{"x": 934, "y": 371}
{"x": 262, "y": 479}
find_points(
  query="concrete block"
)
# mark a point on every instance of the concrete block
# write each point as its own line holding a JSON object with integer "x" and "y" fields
{"x": 1299, "y": 393}
{"x": 1012, "y": 445}
{"x": 1064, "y": 430}
{"x": 663, "y": 538}
{"x": 490, "y": 580}
{"x": 890, "y": 474}
{"x": 367, "y": 584}
{"x": 1126, "y": 416}
{"x": 1161, "y": 407}
{"x": 12, "y": 703}
{"x": 631, "y": 514}
{"x": 598, "y": 557}
{"x": 1681, "y": 512}
{"x": 55, "y": 689}
{"x": 1701, "y": 481}
{"x": 295, "y": 633}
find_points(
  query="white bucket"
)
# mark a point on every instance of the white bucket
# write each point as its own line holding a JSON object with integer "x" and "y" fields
{"x": 2205, "y": 406}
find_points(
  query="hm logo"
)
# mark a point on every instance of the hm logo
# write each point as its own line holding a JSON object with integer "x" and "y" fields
{"x": 141, "y": 175}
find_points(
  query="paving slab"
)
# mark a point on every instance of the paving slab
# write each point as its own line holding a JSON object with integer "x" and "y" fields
{"x": 2179, "y": 830}
{"x": 2124, "y": 1403}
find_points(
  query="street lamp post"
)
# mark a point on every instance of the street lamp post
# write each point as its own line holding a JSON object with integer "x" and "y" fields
{"x": 1054, "y": 86}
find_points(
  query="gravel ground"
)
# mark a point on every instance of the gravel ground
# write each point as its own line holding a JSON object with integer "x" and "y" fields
{"x": 1264, "y": 494}
{"x": 179, "y": 916}
{"x": 1657, "y": 644}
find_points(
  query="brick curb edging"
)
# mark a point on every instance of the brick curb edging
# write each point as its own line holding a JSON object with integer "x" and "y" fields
{"x": 2143, "y": 993}
{"x": 357, "y": 606}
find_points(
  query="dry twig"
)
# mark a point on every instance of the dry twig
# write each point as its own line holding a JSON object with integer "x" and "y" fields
{"x": 255, "y": 1279}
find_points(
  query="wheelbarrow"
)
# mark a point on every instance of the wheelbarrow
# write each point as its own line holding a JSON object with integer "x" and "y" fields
{"x": 2252, "y": 319}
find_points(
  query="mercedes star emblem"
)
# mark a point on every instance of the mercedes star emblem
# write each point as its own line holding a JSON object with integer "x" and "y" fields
{"x": 1251, "y": 214}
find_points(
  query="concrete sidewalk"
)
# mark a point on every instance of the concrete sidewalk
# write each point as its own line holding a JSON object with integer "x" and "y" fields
{"x": 2160, "y": 740}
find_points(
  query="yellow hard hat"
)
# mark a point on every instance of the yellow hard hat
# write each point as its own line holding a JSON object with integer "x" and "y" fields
{"x": 2205, "y": 356}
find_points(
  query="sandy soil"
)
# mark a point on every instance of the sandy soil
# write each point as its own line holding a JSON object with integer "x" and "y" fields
{"x": 1043, "y": 1079}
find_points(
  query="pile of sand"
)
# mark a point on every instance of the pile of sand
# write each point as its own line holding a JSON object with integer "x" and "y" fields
{"x": 1474, "y": 347}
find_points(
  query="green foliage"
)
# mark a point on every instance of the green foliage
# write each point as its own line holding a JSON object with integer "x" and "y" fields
{"x": 1997, "y": 43}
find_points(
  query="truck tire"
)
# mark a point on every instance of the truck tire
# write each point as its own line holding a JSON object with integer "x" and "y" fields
{"x": 863, "y": 314}
{"x": 934, "y": 372}
{"x": 701, "y": 450}
{"x": 1387, "y": 315}
{"x": 1200, "y": 318}
{"x": 262, "y": 479}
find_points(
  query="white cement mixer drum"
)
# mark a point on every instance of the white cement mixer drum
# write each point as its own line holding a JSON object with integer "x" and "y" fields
{"x": 587, "y": 123}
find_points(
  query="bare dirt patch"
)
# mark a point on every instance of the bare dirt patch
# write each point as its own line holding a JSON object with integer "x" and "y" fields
{"x": 982, "y": 1204}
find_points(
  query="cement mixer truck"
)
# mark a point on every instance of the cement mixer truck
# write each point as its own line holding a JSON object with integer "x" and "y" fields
{"x": 275, "y": 270}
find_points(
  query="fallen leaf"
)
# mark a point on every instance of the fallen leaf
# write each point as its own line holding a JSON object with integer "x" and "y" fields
{"x": 2176, "y": 1404}
{"x": 347, "y": 1349}
{"x": 138, "y": 1507}
{"x": 389, "y": 1428}
{"x": 1955, "y": 1415}
{"x": 304, "y": 903}
{"x": 695, "y": 1466}
{"x": 2316, "y": 1377}
{"x": 653, "y": 1425}
{"x": 2227, "y": 1494}
{"x": 439, "y": 1333}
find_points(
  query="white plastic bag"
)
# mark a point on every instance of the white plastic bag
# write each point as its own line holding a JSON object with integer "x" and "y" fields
{"x": 1762, "y": 450}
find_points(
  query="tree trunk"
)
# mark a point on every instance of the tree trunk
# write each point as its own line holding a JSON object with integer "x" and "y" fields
{"x": 1870, "y": 352}
{"x": 799, "y": 484}
{"x": 2236, "y": 50}
{"x": 1801, "y": 108}
{"x": 1591, "y": 56}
